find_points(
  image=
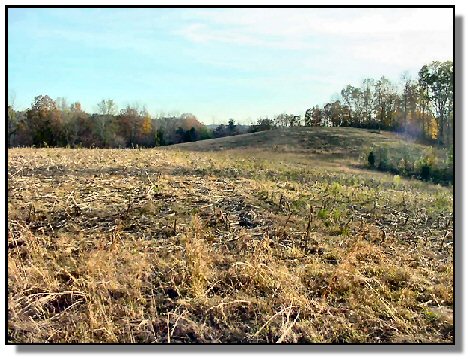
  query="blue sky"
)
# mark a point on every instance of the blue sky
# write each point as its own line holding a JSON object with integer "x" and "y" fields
{"x": 216, "y": 63}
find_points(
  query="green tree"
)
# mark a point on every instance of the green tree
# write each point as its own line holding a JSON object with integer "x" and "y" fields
{"x": 130, "y": 125}
{"x": 384, "y": 102}
{"x": 75, "y": 122}
{"x": 45, "y": 122}
{"x": 350, "y": 96}
{"x": 333, "y": 113}
{"x": 106, "y": 109}
{"x": 309, "y": 117}
{"x": 367, "y": 103}
{"x": 317, "y": 116}
{"x": 437, "y": 82}
{"x": 13, "y": 124}
{"x": 232, "y": 128}
{"x": 409, "y": 107}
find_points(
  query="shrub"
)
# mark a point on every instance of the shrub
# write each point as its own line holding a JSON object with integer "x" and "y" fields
{"x": 384, "y": 161}
{"x": 425, "y": 172}
{"x": 426, "y": 165}
{"x": 371, "y": 159}
{"x": 396, "y": 180}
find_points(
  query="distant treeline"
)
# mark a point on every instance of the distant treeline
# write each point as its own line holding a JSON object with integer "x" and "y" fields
{"x": 423, "y": 108}
{"x": 56, "y": 123}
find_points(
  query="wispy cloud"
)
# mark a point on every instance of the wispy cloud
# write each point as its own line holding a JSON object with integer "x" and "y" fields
{"x": 398, "y": 36}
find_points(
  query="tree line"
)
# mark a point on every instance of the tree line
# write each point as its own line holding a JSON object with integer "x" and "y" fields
{"x": 56, "y": 123}
{"x": 421, "y": 108}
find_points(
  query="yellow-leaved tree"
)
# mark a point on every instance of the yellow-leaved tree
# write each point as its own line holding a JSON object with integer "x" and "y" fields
{"x": 146, "y": 125}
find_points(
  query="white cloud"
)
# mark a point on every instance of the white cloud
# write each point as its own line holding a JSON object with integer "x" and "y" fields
{"x": 390, "y": 36}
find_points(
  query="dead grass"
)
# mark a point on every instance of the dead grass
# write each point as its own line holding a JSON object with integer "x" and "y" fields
{"x": 171, "y": 245}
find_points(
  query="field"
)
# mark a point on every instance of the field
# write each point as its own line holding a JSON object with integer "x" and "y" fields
{"x": 276, "y": 237}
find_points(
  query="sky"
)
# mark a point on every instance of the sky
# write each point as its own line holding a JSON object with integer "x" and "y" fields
{"x": 216, "y": 63}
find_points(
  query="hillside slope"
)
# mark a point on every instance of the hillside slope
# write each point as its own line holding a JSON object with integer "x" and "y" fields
{"x": 318, "y": 140}
{"x": 348, "y": 148}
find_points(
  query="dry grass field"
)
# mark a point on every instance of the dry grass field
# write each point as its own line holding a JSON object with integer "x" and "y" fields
{"x": 274, "y": 237}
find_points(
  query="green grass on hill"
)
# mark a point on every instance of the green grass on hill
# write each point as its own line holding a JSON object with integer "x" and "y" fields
{"x": 345, "y": 146}
{"x": 320, "y": 140}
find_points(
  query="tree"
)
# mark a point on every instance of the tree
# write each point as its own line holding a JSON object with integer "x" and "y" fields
{"x": 381, "y": 97}
{"x": 43, "y": 103}
{"x": 13, "y": 124}
{"x": 281, "y": 120}
{"x": 188, "y": 120}
{"x": 294, "y": 120}
{"x": 106, "y": 109}
{"x": 61, "y": 104}
{"x": 130, "y": 124}
{"x": 204, "y": 133}
{"x": 262, "y": 125}
{"x": 45, "y": 122}
{"x": 76, "y": 107}
{"x": 367, "y": 101}
{"x": 309, "y": 117}
{"x": 220, "y": 131}
{"x": 180, "y": 133}
{"x": 350, "y": 95}
{"x": 191, "y": 134}
{"x": 232, "y": 128}
{"x": 356, "y": 116}
{"x": 314, "y": 116}
{"x": 346, "y": 114}
{"x": 410, "y": 101}
{"x": 12, "y": 118}
{"x": 386, "y": 104}
{"x": 78, "y": 126}
{"x": 333, "y": 113}
{"x": 437, "y": 81}
{"x": 147, "y": 135}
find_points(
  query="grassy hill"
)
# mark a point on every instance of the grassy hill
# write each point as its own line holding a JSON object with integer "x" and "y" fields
{"x": 345, "y": 141}
{"x": 340, "y": 146}
{"x": 278, "y": 236}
